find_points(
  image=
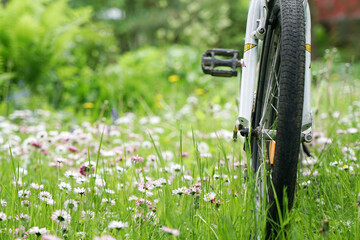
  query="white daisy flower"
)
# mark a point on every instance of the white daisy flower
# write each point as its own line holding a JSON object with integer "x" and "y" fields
{"x": 61, "y": 216}
{"x": 118, "y": 225}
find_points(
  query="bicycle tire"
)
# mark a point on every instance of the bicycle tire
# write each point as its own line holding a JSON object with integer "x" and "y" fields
{"x": 279, "y": 105}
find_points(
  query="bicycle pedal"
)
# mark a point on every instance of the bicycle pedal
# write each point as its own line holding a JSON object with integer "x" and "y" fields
{"x": 209, "y": 62}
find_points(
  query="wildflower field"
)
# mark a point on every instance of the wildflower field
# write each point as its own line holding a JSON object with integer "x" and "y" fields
{"x": 174, "y": 174}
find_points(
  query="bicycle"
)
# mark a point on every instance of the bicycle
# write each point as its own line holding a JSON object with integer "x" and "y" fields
{"x": 276, "y": 119}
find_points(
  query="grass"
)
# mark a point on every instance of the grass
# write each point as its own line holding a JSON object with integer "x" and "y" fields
{"x": 176, "y": 174}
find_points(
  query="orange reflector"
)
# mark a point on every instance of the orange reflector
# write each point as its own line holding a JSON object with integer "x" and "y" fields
{"x": 272, "y": 146}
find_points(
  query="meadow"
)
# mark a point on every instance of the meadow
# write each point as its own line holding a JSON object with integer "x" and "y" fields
{"x": 175, "y": 172}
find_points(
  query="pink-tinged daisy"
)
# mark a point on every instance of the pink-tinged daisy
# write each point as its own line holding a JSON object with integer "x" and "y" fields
{"x": 185, "y": 154}
{"x": 23, "y": 217}
{"x": 70, "y": 204}
{"x": 195, "y": 190}
{"x": 2, "y": 217}
{"x": 142, "y": 187}
{"x": 24, "y": 194}
{"x": 152, "y": 158}
{"x": 73, "y": 149}
{"x": 141, "y": 203}
{"x": 85, "y": 169}
{"x": 136, "y": 159}
{"x": 25, "y": 203}
{"x": 37, "y": 231}
{"x": 181, "y": 191}
{"x": 210, "y": 197}
{"x": 80, "y": 191}
{"x": 159, "y": 182}
{"x": 61, "y": 217}
{"x": 36, "y": 144}
{"x": 174, "y": 232}
{"x": 118, "y": 225}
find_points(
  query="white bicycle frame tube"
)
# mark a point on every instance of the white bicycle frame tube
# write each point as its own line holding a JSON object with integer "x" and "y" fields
{"x": 257, "y": 13}
{"x": 249, "y": 66}
{"x": 307, "y": 118}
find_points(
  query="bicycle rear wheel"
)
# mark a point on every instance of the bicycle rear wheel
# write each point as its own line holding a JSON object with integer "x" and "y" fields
{"x": 278, "y": 109}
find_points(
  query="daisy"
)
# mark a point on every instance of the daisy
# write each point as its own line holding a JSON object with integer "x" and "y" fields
{"x": 118, "y": 225}
{"x": 210, "y": 197}
{"x": 3, "y": 203}
{"x": 180, "y": 191}
{"x": 146, "y": 145}
{"x": 65, "y": 186}
{"x": 100, "y": 182}
{"x": 2, "y": 217}
{"x": 37, "y": 231}
{"x": 70, "y": 204}
{"x": 159, "y": 182}
{"x": 80, "y": 191}
{"x": 152, "y": 158}
{"x": 168, "y": 155}
{"x": 71, "y": 174}
{"x": 132, "y": 198}
{"x": 136, "y": 159}
{"x": 61, "y": 216}
{"x": 141, "y": 202}
{"x": 108, "y": 201}
{"x": 49, "y": 201}
{"x": 42, "y": 135}
{"x": 73, "y": 149}
{"x": 23, "y": 217}
{"x": 87, "y": 215}
{"x": 110, "y": 191}
{"x": 36, "y": 186}
{"x": 142, "y": 187}
{"x": 174, "y": 232}
{"x": 24, "y": 194}
{"x": 195, "y": 189}
{"x": 203, "y": 147}
{"x": 45, "y": 195}
{"x": 86, "y": 169}
{"x": 81, "y": 179}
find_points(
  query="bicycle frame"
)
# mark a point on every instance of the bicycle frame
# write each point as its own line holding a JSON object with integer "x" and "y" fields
{"x": 255, "y": 32}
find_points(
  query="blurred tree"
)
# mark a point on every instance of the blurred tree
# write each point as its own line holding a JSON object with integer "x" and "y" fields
{"x": 202, "y": 23}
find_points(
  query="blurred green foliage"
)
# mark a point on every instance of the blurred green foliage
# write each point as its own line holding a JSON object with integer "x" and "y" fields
{"x": 201, "y": 24}
{"x": 51, "y": 48}
{"x": 63, "y": 53}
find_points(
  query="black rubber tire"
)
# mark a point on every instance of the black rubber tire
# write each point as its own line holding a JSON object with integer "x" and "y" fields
{"x": 288, "y": 17}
